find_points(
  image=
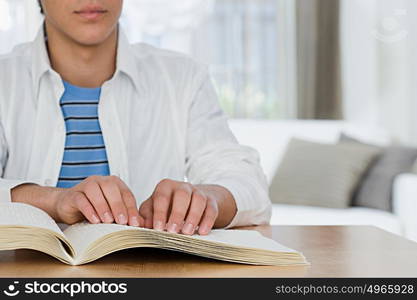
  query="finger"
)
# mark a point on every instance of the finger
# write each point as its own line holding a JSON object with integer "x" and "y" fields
{"x": 180, "y": 203}
{"x": 161, "y": 203}
{"x": 145, "y": 211}
{"x": 195, "y": 213}
{"x": 113, "y": 196}
{"x": 161, "y": 200}
{"x": 130, "y": 203}
{"x": 95, "y": 195}
{"x": 141, "y": 221}
{"x": 86, "y": 208}
{"x": 209, "y": 217}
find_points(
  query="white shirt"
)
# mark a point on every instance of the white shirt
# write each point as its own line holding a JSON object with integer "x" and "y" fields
{"x": 159, "y": 116}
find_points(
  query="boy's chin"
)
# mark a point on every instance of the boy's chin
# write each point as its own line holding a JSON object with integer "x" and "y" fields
{"x": 92, "y": 37}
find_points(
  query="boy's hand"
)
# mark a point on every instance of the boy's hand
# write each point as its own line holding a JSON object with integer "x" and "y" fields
{"x": 174, "y": 206}
{"x": 99, "y": 199}
{"x": 181, "y": 207}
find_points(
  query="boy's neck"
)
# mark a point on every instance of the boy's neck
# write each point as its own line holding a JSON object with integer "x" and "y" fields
{"x": 81, "y": 65}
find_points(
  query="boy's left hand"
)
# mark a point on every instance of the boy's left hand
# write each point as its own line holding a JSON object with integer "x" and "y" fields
{"x": 181, "y": 207}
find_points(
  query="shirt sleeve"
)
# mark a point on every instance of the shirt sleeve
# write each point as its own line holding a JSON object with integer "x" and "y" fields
{"x": 6, "y": 185}
{"x": 215, "y": 157}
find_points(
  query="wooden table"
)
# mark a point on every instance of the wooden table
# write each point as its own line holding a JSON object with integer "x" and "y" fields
{"x": 333, "y": 251}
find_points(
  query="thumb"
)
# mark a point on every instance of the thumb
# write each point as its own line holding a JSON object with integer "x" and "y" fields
{"x": 146, "y": 212}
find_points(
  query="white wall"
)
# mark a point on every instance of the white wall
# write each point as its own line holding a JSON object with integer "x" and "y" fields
{"x": 19, "y": 22}
{"x": 379, "y": 65}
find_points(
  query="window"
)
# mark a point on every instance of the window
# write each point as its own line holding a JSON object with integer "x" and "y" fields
{"x": 246, "y": 43}
{"x": 249, "y": 44}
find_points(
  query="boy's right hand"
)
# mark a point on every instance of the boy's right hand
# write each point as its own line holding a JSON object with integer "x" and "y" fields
{"x": 99, "y": 199}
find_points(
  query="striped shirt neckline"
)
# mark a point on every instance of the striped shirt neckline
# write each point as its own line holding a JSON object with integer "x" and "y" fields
{"x": 85, "y": 152}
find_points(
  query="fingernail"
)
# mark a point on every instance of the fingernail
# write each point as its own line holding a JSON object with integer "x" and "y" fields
{"x": 204, "y": 230}
{"x": 134, "y": 221}
{"x": 188, "y": 228}
{"x": 172, "y": 228}
{"x": 122, "y": 219}
{"x": 95, "y": 219}
{"x": 158, "y": 226}
{"x": 108, "y": 218}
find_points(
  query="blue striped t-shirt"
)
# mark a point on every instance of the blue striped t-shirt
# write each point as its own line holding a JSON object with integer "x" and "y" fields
{"x": 85, "y": 152}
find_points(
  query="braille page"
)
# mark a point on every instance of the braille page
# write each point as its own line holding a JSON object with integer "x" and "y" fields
{"x": 243, "y": 239}
{"x": 19, "y": 214}
{"x": 83, "y": 234}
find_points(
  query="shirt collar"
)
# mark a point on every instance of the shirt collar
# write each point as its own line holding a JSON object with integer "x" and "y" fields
{"x": 125, "y": 60}
{"x": 40, "y": 59}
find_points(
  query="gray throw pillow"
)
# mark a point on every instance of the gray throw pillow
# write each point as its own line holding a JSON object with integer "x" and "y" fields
{"x": 318, "y": 174}
{"x": 375, "y": 191}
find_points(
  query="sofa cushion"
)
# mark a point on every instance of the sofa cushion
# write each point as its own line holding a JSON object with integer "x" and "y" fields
{"x": 283, "y": 214}
{"x": 319, "y": 174}
{"x": 270, "y": 137}
{"x": 375, "y": 191}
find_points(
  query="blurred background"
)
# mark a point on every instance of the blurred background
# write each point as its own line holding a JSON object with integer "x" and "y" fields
{"x": 324, "y": 71}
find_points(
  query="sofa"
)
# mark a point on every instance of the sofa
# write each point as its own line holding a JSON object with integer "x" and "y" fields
{"x": 270, "y": 138}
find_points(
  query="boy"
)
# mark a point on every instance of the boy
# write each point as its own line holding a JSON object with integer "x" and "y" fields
{"x": 90, "y": 124}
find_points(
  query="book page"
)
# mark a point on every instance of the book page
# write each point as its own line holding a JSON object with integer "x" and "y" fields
{"x": 19, "y": 214}
{"x": 82, "y": 235}
{"x": 244, "y": 239}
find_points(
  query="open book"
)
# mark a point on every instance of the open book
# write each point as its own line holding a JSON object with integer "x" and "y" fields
{"x": 26, "y": 227}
